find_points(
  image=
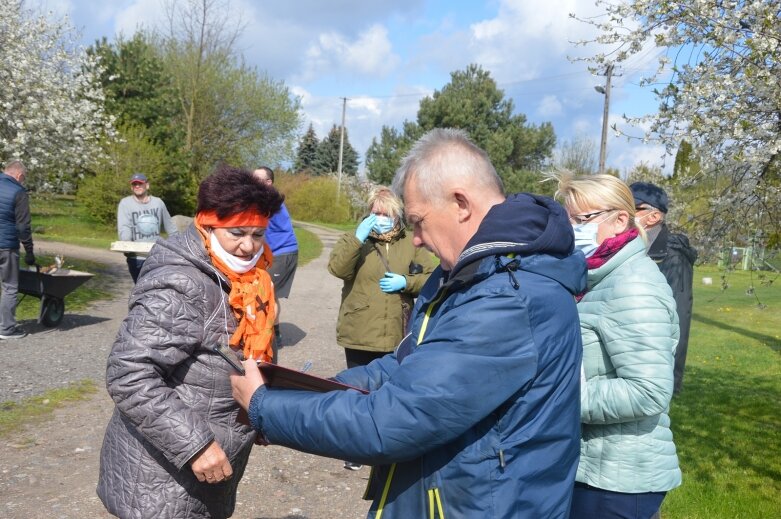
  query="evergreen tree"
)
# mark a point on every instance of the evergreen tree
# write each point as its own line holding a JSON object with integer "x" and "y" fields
{"x": 327, "y": 160}
{"x": 471, "y": 101}
{"x": 307, "y": 151}
{"x": 383, "y": 157}
{"x": 138, "y": 91}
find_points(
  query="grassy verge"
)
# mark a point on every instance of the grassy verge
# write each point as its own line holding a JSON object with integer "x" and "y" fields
{"x": 726, "y": 422}
{"x": 60, "y": 218}
{"x": 16, "y": 415}
{"x": 343, "y": 227}
{"x": 309, "y": 246}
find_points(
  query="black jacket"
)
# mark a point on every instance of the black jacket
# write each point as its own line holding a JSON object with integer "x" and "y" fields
{"x": 675, "y": 258}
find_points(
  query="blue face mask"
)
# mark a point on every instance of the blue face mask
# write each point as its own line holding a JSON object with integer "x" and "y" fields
{"x": 586, "y": 237}
{"x": 383, "y": 224}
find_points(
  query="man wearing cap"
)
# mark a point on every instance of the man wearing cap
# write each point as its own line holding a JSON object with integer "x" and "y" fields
{"x": 14, "y": 228}
{"x": 675, "y": 258}
{"x": 139, "y": 218}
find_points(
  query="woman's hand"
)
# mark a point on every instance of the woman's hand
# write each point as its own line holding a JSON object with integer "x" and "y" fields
{"x": 211, "y": 465}
{"x": 365, "y": 227}
{"x": 245, "y": 386}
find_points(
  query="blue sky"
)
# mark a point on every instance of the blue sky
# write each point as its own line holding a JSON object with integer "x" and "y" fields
{"x": 385, "y": 56}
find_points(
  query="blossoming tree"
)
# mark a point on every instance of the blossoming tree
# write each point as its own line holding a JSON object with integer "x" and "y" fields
{"x": 718, "y": 87}
{"x": 51, "y": 107}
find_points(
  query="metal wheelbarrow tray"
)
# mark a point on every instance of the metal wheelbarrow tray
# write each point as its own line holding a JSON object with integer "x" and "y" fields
{"x": 51, "y": 287}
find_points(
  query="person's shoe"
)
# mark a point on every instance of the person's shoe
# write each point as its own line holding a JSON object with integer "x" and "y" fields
{"x": 16, "y": 334}
{"x": 349, "y": 465}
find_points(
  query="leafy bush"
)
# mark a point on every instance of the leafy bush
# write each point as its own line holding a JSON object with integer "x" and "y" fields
{"x": 133, "y": 152}
{"x": 314, "y": 199}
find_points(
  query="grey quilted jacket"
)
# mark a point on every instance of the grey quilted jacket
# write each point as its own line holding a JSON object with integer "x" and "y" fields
{"x": 172, "y": 393}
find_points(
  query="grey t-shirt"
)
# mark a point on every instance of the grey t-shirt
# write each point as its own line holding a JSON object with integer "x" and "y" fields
{"x": 143, "y": 222}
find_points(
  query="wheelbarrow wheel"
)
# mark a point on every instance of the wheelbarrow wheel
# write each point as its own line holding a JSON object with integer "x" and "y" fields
{"x": 53, "y": 311}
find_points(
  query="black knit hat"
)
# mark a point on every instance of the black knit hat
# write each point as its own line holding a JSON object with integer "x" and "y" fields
{"x": 653, "y": 195}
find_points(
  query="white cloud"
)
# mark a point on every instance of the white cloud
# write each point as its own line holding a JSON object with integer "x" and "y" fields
{"x": 370, "y": 54}
{"x": 140, "y": 14}
{"x": 57, "y": 7}
{"x": 626, "y": 155}
{"x": 549, "y": 106}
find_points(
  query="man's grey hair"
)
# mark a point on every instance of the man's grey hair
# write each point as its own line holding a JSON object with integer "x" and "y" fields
{"x": 441, "y": 156}
{"x": 15, "y": 165}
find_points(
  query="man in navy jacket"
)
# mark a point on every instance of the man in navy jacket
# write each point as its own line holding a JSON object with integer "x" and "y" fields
{"x": 477, "y": 412}
{"x": 14, "y": 228}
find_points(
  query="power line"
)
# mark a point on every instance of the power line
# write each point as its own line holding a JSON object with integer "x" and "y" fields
{"x": 499, "y": 85}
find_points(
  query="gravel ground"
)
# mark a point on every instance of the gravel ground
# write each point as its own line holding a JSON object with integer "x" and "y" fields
{"x": 50, "y": 471}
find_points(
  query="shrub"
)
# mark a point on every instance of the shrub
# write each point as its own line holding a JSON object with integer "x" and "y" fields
{"x": 101, "y": 192}
{"x": 314, "y": 199}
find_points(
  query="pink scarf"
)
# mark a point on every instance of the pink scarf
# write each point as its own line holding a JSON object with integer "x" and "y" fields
{"x": 606, "y": 250}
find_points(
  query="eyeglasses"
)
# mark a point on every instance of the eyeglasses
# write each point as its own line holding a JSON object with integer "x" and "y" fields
{"x": 583, "y": 218}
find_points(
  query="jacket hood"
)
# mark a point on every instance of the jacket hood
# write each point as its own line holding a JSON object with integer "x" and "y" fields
{"x": 523, "y": 224}
{"x": 537, "y": 230}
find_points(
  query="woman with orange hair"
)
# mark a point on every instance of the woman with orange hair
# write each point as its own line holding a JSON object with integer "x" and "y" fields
{"x": 173, "y": 448}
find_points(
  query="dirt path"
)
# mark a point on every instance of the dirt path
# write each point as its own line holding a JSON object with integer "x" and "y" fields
{"x": 50, "y": 471}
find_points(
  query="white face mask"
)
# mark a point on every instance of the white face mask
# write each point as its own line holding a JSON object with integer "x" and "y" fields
{"x": 236, "y": 264}
{"x": 586, "y": 237}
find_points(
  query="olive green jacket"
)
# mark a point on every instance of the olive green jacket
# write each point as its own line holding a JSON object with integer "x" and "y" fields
{"x": 370, "y": 319}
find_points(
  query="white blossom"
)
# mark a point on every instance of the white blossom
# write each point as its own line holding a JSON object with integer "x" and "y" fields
{"x": 718, "y": 87}
{"x": 52, "y": 115}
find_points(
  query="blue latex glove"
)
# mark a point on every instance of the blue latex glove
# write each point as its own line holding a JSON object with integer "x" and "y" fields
{"x": 365, "y": 227}
{"x": 393, "y": 282}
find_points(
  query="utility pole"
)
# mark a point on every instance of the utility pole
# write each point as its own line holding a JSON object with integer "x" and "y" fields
{"x": 341, "y": 150}
{"x": 605, "y": 112}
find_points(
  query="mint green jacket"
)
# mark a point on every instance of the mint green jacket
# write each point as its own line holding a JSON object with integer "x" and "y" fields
{"x": 630, "y": 330}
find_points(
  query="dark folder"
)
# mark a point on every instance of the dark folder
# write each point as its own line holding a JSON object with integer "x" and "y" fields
{"x": 281, "y": 377}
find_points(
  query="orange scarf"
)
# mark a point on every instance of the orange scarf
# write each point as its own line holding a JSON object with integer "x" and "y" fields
{"x": 251, "y": 297}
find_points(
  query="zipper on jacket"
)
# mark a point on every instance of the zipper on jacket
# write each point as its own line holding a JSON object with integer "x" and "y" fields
{"x": 385, "y": 491}
{"x": 386, "y": 488}
{"x": 433, "y": 304}
{"x": 435, "y": 509}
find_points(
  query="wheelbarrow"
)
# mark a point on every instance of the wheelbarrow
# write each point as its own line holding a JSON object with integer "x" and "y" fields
{"x": 51, "y": 287}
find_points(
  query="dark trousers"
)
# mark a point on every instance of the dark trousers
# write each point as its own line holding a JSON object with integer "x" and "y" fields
{"x": 361, "y": 357}
{"x": 134, "y": 264}
{"x": 595, "y": 503}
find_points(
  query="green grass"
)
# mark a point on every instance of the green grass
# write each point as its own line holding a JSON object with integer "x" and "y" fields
{"x": 309, "y": 246}
{"x": 98, "y": 287}
{"x": 61, "y": 218}
{"x": 16, "y": 415}
{"x": 727, "y": 420}
{"x": 344, "y": 227}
